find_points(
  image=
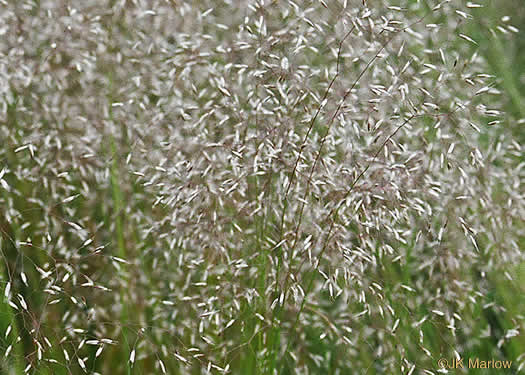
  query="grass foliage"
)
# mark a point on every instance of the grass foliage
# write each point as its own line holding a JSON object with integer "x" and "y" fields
{"x": 258, "y": 187}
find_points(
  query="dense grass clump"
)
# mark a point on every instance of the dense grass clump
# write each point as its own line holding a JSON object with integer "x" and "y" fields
{"x": 255, "y": 187}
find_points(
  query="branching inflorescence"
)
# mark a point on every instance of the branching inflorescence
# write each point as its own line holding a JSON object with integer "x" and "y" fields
{"x": 253, "y": 187}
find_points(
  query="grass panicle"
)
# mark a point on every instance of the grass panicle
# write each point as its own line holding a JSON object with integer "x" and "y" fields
{"x": 260, "y": 187}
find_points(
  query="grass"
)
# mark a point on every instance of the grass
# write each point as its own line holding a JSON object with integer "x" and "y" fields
{"x": 275, "y": 189}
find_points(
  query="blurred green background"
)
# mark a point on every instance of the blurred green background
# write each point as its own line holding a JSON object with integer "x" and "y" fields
{"x": 505, "y": 53}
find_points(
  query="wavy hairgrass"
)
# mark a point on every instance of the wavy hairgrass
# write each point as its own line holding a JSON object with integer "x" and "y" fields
{"x": 254, "y": 187}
